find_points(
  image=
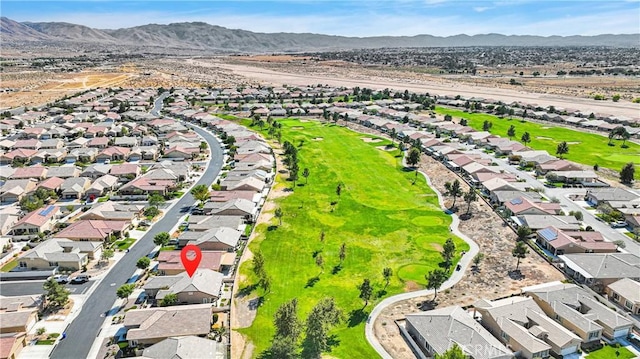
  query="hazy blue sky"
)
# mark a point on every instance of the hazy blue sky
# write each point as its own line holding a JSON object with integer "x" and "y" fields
{"x": 351, "y": 18}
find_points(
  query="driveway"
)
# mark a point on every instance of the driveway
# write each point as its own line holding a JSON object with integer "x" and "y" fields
{"x": 83, "y": 330}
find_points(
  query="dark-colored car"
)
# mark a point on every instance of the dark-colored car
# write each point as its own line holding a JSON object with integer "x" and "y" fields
{"x": 82, "y": 278}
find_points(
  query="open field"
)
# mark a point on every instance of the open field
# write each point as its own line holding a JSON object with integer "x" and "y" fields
{"x": 584, "y": 148}
{"x": 384, "y": 220}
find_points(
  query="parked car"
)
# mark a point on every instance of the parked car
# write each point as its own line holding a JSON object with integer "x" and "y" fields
{"x": 61, "y": 279}
{"x": 618, "y": 224}
{"x": 79, "y": 279}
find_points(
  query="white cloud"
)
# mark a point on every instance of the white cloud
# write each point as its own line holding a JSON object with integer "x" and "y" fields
{"x": 482, "y": 8}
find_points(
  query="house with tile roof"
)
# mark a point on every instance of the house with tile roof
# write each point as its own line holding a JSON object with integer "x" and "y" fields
{"x": 626, "y": 293}
{"x": 94, "y": 230}
{"x": 60, "y": 253}
{"x": 560, "y": 242}
{"x": 38, "y": 221}
{"x": 205, "y": 286}
{"x": 185, "y": 347}
{"x": 171, "y": 264}
{"x": 598, "y": 270}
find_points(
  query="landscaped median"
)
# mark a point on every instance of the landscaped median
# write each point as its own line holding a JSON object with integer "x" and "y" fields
{"x": 584, "y": 147}
{"x": 383, "y": 219}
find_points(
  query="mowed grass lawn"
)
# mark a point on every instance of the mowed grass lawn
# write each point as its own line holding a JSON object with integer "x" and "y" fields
{"x": 609, "y": 352}
{"x": 384, "y": 220}
{"x": 585, "y": 148}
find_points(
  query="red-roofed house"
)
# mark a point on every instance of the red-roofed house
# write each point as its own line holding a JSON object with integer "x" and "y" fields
{"x": 31, "y": 144}
{"x": 564, "y": 242}
{"x": 51, "y": 184}
{"x": 17, "y": 154}
{"x": 38, "y": 221}
{"x": 171, "y": 264}
{"x": 37, "y": 172}
{"x": 11, "y": 344}
{"x": 522, "y": 205}
{"x": 93, "y": 230}
{"x": 145, "y": 185}
{"x": 113, "y": 153}
{"x": 180, "y": 152}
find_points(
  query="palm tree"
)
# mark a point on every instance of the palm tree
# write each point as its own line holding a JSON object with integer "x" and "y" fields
{"x": 470, "y": 197}
{"x": 453, "y": 190}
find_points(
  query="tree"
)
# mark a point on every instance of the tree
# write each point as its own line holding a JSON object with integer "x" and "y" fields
{"x": 413, "y": 158}
{"x": 435, "y": 278}
{"x": 386, "y": 274}
{"x": 627, "y": 173}
{"x": 562, "y": 149}
{"x": 343, "y": 252}
{"x": 56, "y": 295}
{"x": 279, "y": 214}
{"x": 200, "y": 192}
{"x": 287, "y": 326}
{"x": 151, "y": 212}
{"x": 596, "y": 167}
{"x": 477, "y": 259}
{"x": 526, "y": 138}
{"x": 577, "y": 214}
{"x": 455, "y": 352}
{"x": 448, "y": 251}
{"x": 106, "y": 254}
{"x": 258, "y": 263}
{"x": 169, "y": 300}
{"x": 305, "y": 174}
{"x": 125, "y": 291}
{"x": 486, "y": 125}
{"x": 320, "y": 262}
{"x": 161, "y": 239}
{"x": 511, "y": 132}
{"x": 322, "y": 317}
{"x": 611, "y": 135}
{"x": 523, "y": 233}
{"x": 203, "y": 146}
{"x": 464, "y": 122}
{"x": 469, "y": 198}
{"x": 366, "y": 290}
{"x": 339, "y": 189}
{"x": 265, "y": 282}
{"x": 453, "y": 190}
{"x": 393, "y": 135}
{"x": 520, "y": 251}
{"x": 156, "y": 200}
{"x": 143, "y": 263}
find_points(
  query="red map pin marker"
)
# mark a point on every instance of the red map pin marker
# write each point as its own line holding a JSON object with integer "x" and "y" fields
{"x": 190, "y": 256}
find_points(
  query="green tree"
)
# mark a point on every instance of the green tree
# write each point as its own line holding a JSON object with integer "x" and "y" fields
{"x": 366, "y": 290}
{"x": 151, "y": 212}
{"x": 287, "y": 330}
{"x": 265, "y": 282}
{"x": 455, "y": 352}
{"x": 413, "y": 158}
{"x": 56, "y": 295}
{"x": 279, "y": 214}
{"x": 511, "y": 132}
{"x": 563, "y": 148}
{"x": 477, "y": 259}
{"x": 520, "y": 251}
{"x": 523, "y": 233}
{"x": 320, "y": 262}
{"x": 627, "y": 173}
{"x": 615, "y": 98}
{"x": 470, "y": 197}
{"x": 200, "y": 192}
{"x": 156, "y": 200}
{"x": 203, "y": 146}
{"x": 453, "y": 190}
{"x": 486, "y": 125}
{"x": 143, "y": 263}
{"x": 448, "y": 252}
{"x": 258, "y": 263}
{"x": 393, "y": 136}
{"x": 169, "y": 300}
{"x": 339, "y": 189}
{"x": 435, "y": 279}
{"x": 386, "y": 274}
{"x": 106, "y": 254}
{"x": 321, "y": 319}
{"x": 125, "y": 290}
{"x": 305, "y": 174}
{"x": 343, "y": 252}
{"x": 464, "y": 122}
{"x": 161, "y": 239}
{"x": 526, "y": 138}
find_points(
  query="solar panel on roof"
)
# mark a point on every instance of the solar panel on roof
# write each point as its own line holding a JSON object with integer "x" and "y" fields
{"x": 548, "y": 234}
{"x": 516, "y": 201}
{"x": 47, "y": 210}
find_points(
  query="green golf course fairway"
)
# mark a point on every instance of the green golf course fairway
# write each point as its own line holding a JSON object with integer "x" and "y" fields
{"x": 585, "y": 148}
{"x": 383, "y": 218}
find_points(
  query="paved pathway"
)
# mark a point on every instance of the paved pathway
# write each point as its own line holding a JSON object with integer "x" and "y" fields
{"x": 464, "y": 262}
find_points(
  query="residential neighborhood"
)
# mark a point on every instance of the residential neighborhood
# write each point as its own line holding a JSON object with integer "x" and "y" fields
{"x": 96, "y": 178}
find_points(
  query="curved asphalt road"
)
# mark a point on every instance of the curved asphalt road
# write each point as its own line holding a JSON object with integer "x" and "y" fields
{"x": 83, "y": 330}
{"x": 464, "y": 262}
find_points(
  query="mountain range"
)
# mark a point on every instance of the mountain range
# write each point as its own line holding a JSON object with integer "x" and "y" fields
{"x": 210, "y": 38}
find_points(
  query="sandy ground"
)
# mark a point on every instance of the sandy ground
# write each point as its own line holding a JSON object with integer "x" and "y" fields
{"x": 439, "y": 87}
{"x": 494, "y": 278}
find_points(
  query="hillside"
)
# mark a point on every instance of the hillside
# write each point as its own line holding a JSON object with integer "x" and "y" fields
{"x": 202, "y": 36}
